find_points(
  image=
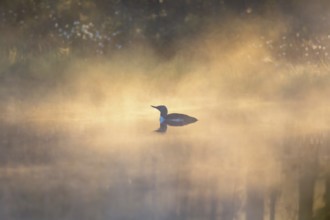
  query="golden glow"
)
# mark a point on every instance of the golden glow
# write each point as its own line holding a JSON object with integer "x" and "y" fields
{"x": 246, "y": 103}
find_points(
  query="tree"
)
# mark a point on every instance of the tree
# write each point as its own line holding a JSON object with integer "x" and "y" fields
{"x": 307, "y": 178}
{"x": 254, "y": 204}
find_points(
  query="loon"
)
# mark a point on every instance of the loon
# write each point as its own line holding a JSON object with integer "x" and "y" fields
{"x": 173, "y": 119}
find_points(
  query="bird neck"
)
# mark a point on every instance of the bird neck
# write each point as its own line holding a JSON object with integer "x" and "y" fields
{"x": 161, "y": 119}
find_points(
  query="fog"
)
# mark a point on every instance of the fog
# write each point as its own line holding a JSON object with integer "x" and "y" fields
{"x": 78, "y": 142}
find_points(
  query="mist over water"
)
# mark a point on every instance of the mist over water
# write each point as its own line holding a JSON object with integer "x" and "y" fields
{"x": 79, "y": 143}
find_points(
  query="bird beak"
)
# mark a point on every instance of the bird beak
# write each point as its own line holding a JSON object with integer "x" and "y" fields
{"x": 153, "y": 106}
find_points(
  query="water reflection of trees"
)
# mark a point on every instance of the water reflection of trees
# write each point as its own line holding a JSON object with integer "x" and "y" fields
{"x": 302, "y": 160}
{"x": 176, "y": 180}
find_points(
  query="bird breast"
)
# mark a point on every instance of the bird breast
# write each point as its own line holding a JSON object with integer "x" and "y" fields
{"x": 161, "y": 119}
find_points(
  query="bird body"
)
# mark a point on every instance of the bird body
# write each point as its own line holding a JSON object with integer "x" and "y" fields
{"x": 176, "y": 119}
{"x": 173, "y": 119}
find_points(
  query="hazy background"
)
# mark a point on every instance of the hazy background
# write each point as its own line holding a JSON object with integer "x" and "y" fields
{"x": 77, "y": 81}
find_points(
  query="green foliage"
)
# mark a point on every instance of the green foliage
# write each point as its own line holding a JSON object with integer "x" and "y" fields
{"x": 56, "y": 30}
{"x": 322, "y": 214}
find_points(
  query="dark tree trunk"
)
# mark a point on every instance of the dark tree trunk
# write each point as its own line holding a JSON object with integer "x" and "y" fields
{"x": 327, "y": 197}
{"x": 308, "y": 174}
{"x": 254, "y": 204}
{"x": 214, "y": 208}
{"x": 272, "y": 204}
{"x": 230, "y": 207}
{"x": 306, "y": 195}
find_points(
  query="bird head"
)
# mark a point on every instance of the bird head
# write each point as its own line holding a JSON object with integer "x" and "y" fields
{"x": 162, "y": 109}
